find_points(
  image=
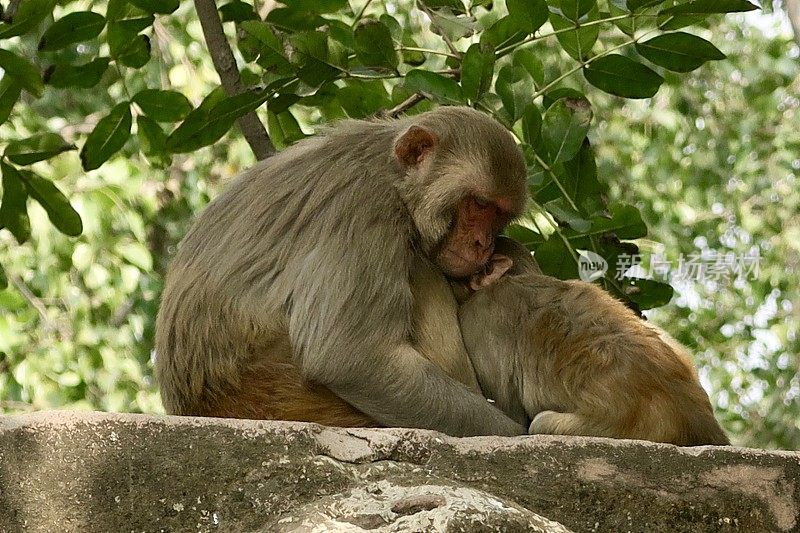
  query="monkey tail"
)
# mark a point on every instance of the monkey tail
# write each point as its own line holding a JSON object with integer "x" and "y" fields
{"x": 703, "y": 429}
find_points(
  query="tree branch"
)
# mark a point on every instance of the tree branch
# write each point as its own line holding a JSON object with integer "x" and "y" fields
{"x": 403, "y": 106}
{"x": 11, "y": 10}
{"x": 225, "y": 65}
{"x": 793, "y": 11}
{"x": 443, "y": 35}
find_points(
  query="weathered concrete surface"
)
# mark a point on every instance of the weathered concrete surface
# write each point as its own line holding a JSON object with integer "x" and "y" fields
{"x": 63, "y": 471}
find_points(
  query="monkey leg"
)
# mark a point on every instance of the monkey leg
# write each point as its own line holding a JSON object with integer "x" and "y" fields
{"x": 273, "y": 388}
{"x": 555, "y": 423}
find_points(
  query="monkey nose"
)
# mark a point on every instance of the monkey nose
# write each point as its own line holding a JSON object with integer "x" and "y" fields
{"x": 483, "y": 251}
{"x": 482, "y": 241}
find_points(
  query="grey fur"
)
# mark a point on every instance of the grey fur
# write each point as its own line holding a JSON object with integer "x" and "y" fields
{"x": 320, "y": 240}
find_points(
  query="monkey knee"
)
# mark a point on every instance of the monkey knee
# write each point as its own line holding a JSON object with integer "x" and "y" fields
{"x": 555, "y": 423}
{"x": 544, "y": 423}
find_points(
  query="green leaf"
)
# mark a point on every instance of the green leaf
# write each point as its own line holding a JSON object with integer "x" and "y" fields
{"x": 3, "y": 278}
{"x": 528, "y": 15}
{"x": 515, "y": 88}
{"x": 706, "y": 7}
{"x": 152, "y": 141}
{"x": 529, "y": 60}
{"x": 196, "y": 130}
{"x": 621, "y": 76}
{"x": 536, "y": 175}
{"x": 625, "y": 222}
{"x": 361, "y": 98}
{"x": 23, "y": 71}
{"x": 575, "y": 9}
{"x": 555, "y": 259}
{"x": 65, "y": 75}
{"x": 581, "y": 182}
{"x": 312, "y": 56}
{"x": 410, "y": 57}
{"x": 282, "y": 102}
{"x": 10, "y": 89}
{"x": 36, "y": 148}
{"x": 237, "y": 12}
{"x": 283, "y": 129}
{"x": 679, "y": 51}
{"x": 503, "y": 32}
{"x": 676, "y": 22}
{"x": 434, "y": 86}
{"x": 73, "y": 28}
{"x": 208, "y": 123}
{"x": 532, "y": 125}
{"x": 455, "y": 5}
{"x": 29, "y": 14}
{"x": 633, "y": 5}
{"x": 13, "y": 207}
{"x": 621, "y": 10}
{"x": 647, "y": 293}
{"x": 563, "y": 212}
{"x": 128, "y": 17}
{"x": 579, "y": 42}
{"x": 374, "y": 46}
{"x": 294, "y": 20}
{"x": 523, "y": 235}
{"x": 344, "y": 35}
{"x": 577, "y": 181}
{"x": 136, "y": 254}
{"x": 163, "y": 7}
{"x": 272, "y": 55}
{"x": 477, "y": 70}
{"x": 551, "y": 97}
{"x": 317, "y": 6}
{"x": 163, "y": 106}
{"x": 394, "y": 28}
{"x": 264, "y": 34}
{"x": 444, "y": 22}
{"x": 564, "y": 126}
{"x": 127, "y": 47}
{"x": 107, "y": 137}
{"x": 59, "y": 211}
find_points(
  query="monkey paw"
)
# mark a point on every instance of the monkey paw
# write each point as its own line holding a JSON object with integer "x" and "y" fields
{"x": 555, "y": 423}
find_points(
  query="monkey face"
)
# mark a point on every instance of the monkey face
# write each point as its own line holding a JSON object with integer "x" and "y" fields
{"x": 470, "y": 243}
{"x": 465, "y": 180}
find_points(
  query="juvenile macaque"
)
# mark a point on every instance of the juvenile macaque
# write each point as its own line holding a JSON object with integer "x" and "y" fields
{"x": 577, "y": 361}
{"x": 291, "y": 297}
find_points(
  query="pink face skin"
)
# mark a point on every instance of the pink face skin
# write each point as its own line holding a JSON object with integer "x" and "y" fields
{"x": 470, "y": 245}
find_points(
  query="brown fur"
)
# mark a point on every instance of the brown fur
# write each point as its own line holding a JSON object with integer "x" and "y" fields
{"x": 578, "y": 362}
{"x": 273, "y": 388}
{"x": 294, "y": 287}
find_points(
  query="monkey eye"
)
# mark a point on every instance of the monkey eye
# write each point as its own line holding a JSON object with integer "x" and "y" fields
{"x": 482, "y": 202}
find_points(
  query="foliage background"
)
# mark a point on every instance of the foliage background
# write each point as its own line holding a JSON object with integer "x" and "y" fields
{"x": 711, "y": 162}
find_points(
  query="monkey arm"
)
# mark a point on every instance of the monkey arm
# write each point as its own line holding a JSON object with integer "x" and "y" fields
{"x": 357, "y": 341}
{"x": 402, "y": 388}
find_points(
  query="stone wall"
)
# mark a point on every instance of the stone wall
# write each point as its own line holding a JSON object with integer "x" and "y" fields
{"x": 64, "y": 471}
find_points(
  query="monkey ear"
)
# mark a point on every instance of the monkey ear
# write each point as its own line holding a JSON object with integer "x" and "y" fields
{"x": 414, "y": 145}
{"x": 498, "y": 265}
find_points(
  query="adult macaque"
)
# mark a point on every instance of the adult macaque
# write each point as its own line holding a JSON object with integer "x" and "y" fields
{"x": 577, "y": 361}
{"x": 293, "y": 289}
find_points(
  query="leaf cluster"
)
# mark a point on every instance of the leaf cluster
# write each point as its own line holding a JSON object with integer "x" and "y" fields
{"x": 325, "y": 55}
